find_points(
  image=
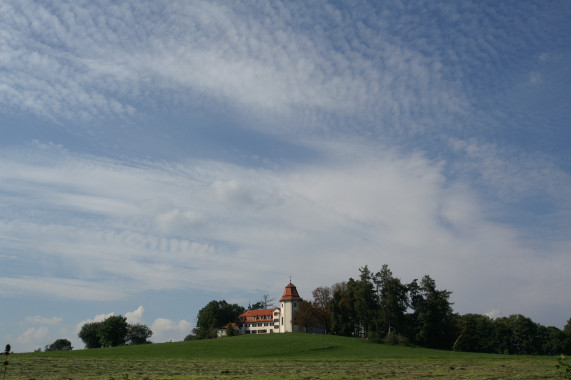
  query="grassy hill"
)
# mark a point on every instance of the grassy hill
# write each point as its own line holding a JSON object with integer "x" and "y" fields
{"x": 298, "y": 346}
{"x": 290, "y": 356}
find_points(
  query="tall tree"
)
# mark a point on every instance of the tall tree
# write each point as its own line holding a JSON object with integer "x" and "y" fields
{"x": 393, "y": 300}
{"x": 353, "y": 308}
{"x": 366, "y": 303}
{"x": 341, "y": 310}
{"x": 433, "y": 315}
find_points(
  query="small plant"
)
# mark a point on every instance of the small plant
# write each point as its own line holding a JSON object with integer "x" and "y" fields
{"x": 6, "y": 353}
{"x": 564, "y": 366}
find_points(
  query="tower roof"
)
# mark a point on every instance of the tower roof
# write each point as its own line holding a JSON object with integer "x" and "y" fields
{"x": 290, "y": 293}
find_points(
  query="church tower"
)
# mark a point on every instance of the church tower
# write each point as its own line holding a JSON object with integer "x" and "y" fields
{"x": 289, "y": 304}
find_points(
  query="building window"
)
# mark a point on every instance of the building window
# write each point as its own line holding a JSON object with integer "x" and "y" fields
{"x": 294, "y": 304}
{"x": 282, "y": 320}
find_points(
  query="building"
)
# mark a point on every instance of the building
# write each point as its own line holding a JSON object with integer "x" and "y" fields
{"x": 289, "y": 304}
{"x": 263, "y": 321}
{"x": 223, "y": 330}
{"x": 276, "y": 320}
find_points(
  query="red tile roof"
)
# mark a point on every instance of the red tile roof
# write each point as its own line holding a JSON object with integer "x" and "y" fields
{"x": 290, "y": 293}
{"x": 249, "y": 315}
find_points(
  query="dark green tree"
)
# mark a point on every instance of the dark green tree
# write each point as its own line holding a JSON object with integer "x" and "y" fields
{"x": 214, "y": 315}
{"x": 366, "y": 304}
{"x": 89, "y": 335}
{"x": 353, "y": 308}
{"x": 138, "y": 334}
{"x": 59, "y": 345}
{"x": 341, "y": 310}
{"x": 113, "y": 331}
{"x": 433, "y": 315}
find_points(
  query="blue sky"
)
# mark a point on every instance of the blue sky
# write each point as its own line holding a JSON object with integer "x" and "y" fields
{"x": 157, "y": 155}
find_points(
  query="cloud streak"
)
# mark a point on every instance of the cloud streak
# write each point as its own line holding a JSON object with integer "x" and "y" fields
{"x": 360, "y": 208}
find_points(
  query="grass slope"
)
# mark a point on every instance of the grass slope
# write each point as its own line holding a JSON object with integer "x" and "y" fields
{"x": 289, "y": 356}
{"x": 301, "y": 346}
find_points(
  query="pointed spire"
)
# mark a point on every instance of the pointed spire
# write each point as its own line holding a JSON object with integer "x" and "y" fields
{"x": 290, "y": 293}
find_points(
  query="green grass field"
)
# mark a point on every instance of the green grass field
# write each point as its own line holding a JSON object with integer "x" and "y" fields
{"x": 287, "y": 356}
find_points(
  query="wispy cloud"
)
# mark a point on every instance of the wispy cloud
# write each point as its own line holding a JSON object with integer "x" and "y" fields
{"x": 220, "y": 221}
{"x": 38, "y": 319}
{"x": 215, "y": 53}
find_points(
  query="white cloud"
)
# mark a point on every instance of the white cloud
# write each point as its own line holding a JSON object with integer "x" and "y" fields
{"x": 32, "y": 335}
{"x": 165, "y": 330}
{"x": 135, "y": 316}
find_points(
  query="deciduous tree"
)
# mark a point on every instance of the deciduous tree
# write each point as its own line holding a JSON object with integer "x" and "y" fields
{"x": 138, "y": 334}
{"x": 304, "y": 315}
{"x": 113, "y": 331}
{"x": 321, "y": 298}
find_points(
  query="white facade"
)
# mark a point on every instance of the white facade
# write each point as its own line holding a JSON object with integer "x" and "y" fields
{"x": 260, "y": 321}
{"x": 286, "y": 319}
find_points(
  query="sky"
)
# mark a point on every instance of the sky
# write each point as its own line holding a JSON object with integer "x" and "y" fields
{"x": 157, "y": 155}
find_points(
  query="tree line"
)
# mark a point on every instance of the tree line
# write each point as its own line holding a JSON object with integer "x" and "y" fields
{"x": 379, "y": 307}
